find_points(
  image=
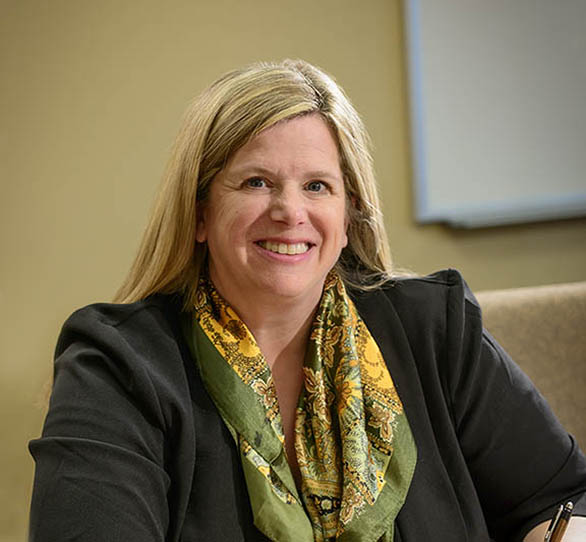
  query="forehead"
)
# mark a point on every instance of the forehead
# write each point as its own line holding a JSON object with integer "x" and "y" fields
{"x": 302, "y": 141}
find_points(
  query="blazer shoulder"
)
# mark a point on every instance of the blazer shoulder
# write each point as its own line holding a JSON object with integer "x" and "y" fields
{"x": 115, "y": 314}
{"x": 432, "y": 289}
{"x": 424, "y": 300}
{"x": 141, "y": 321}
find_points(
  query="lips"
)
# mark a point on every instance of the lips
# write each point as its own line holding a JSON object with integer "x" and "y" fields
{"x": 285, "y": 248}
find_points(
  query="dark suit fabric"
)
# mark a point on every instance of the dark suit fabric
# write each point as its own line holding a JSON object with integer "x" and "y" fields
{"x": 133, "y": 449}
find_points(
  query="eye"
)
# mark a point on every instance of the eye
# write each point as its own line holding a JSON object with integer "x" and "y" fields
{"x": 255, "y": 182}
{"x": 316, "y": 186}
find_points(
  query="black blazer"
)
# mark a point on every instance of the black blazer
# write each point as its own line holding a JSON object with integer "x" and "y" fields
{"x": 133, "y": 449}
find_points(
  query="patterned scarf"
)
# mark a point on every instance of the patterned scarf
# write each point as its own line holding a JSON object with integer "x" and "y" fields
{"x": 354, "y": 447}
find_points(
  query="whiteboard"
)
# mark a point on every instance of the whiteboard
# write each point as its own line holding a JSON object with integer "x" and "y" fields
{"x": 498, "y": 109}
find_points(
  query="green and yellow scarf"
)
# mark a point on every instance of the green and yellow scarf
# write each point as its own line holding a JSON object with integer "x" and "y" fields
{"x": 353, "y": 443}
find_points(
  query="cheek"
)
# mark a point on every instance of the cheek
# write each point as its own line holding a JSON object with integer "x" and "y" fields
{"x": 335, "y": 223}
{"x": 234, "y": 221}
{"x": 237, "y": 221}
{"x": 245, "y": 212}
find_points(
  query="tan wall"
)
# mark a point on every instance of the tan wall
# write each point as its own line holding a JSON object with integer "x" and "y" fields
{"x": 92, "y": 93}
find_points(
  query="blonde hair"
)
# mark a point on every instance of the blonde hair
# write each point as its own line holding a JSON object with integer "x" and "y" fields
{"x": 230, "y": 112}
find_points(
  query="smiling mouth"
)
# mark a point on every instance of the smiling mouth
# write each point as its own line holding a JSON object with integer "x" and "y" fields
{"x": 285, "y": 248}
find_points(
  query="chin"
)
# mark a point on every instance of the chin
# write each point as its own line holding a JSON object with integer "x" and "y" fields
{"x": 292, "y": 288}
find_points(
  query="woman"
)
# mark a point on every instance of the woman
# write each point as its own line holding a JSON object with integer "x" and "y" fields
{"x": 264, "y": 377}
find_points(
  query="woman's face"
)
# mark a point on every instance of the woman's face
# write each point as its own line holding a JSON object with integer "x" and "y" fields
{"x": 275, "y": 218}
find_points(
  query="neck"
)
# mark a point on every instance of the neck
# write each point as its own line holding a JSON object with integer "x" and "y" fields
{"x": 280, "y": 324}
{"x": 280, "y": 329}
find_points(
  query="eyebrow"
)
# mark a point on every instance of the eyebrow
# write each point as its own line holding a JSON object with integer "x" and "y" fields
{"x": 252, "y": 169}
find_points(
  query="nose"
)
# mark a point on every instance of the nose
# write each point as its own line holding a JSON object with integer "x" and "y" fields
{"x": 288, "y": 206}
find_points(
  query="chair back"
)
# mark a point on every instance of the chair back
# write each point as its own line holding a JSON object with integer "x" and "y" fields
{"x": 544, "y": 330}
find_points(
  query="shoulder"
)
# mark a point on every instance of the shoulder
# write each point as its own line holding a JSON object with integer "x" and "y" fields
{"x": 431, "y": 290}
{"x": 158, "y": 306}
{"x": 144, "y": 321}
{"x": 423, "y": 301}
{"x": 137, "y": 348}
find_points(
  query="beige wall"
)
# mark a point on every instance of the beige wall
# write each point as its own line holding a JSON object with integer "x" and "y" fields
{"x": 92, "y": 93}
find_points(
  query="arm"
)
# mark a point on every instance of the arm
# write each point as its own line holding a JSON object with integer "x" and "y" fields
{"x": 523, "y": 463}
{"x": 100, "y": 463}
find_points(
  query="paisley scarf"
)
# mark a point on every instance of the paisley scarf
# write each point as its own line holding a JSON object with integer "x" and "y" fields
{"x": 353, "y": 444}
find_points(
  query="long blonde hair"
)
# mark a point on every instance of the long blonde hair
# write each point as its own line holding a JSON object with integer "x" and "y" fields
{"x": 224, "y": 117}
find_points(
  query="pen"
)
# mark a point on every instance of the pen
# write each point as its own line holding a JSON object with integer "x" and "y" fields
{"x": 553, "y": 523}
{"x": 559, "y": 523}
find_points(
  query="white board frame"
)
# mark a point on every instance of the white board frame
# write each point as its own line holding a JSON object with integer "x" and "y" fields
{"x": 544, "y": 195}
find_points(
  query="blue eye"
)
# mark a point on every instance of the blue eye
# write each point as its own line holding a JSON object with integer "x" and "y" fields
{"x": 256, "y": 182}
{"x": 315, "y": 186}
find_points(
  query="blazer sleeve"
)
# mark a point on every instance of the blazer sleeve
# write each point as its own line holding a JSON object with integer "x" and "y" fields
{"x": 101, "y": 461}
{"x": 522, "y": 461}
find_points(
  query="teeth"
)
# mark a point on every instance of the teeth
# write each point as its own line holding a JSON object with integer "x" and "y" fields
{"x": 284, "y": 248}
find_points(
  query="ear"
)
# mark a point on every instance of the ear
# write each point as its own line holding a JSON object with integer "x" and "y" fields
{"x": 351, "y": 207}
{"x": 346, "y": 223}
{"x": 201, "y": 233}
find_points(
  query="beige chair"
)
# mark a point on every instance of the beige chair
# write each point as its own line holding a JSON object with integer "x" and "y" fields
{"x": 544, "y": 330}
